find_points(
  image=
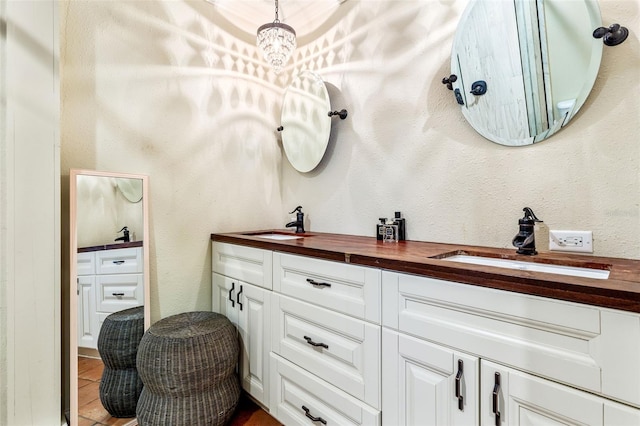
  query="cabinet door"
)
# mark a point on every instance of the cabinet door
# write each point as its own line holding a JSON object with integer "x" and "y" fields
{"x": 86, "y": 264}
{"x": 251, "y": 265}
{"x": 301, "y": 398}
{"x": 427, "y": 384}
{"x": 510, "y": 397}
{"x": 344, "y": 351}
{"x": 118, "y": 292}
{"x": 224, "y": 292}
{"x": 254, "y": 324}
{"x": 119, "y": 261}
{"x": 350, "y": 289}
{"x": 87, "y": 320}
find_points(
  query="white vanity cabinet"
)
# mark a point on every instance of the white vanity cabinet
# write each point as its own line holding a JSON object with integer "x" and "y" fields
{"x": 557, "y": 362}
{"x": 333, "y": 343}
{"x": 242, "y": 292}
{"x": 108, "y": 281}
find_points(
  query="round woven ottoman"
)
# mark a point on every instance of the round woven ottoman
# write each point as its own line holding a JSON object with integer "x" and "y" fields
{"x": 187, "y": 364}
{"x": 120, "y": 385}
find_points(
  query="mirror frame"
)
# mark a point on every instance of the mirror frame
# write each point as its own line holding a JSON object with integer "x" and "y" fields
{"x": 296, "y": 143}
{"x": 73, "y": 273}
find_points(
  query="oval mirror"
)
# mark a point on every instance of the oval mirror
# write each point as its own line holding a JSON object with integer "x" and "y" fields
{"x": 538, "y": 60}
{"x": 305, "y": 121}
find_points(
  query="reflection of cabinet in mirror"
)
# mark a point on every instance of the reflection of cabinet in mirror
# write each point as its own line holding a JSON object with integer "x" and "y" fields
{"x": 109, "y": 280}
{"x": 107, "y": 275}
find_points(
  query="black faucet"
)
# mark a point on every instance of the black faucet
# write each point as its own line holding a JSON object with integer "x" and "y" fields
{"x": 299, "y": 222}
{"x": 525, "y": 240}
{"x": 125, "y": 237}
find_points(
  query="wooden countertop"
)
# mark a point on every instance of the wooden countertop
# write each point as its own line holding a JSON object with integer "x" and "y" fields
{"x": 620, "y": 291}
{"x": 110, "y": 246}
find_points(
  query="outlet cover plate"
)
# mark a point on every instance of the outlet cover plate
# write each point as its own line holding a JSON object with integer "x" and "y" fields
{"x": 574, "y": 241}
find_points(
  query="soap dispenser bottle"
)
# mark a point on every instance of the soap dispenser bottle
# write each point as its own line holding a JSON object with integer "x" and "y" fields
{"x": 402, "y": 232}
{"x": 380, "y": 228}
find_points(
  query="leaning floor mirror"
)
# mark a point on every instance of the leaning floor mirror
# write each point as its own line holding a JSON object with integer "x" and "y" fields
{"x": 109, "y": 272}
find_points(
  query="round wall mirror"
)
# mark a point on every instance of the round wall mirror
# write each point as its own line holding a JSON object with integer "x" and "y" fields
{"x": 305, "y": 121}
{"x": 537, "y": 61}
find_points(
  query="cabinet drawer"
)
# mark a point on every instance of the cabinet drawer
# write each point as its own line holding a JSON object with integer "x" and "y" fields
{"x": 298, "y": 396}
{"x": 86, "y": 263}
{"x": 119, "y": 261}
{"x": 350, "y": 289}
{"x": 342, "y": 350}
{"x": 580, "y": 345}
{"x": 247, "y": 264}
{"x": 117, "y": 292}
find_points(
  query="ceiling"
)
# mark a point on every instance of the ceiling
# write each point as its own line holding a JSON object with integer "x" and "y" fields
{"x": 304, "y": 16}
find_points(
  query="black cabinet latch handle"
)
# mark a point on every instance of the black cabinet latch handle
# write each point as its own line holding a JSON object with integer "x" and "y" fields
{"x": 496, "y": 394}
{"x": 312, "y": 343}
{"x": 313, "y": 419}
{"x": 118, "y": 262}
{"x": 317, "y": 284}
{"x": 117, "y": 294}
{"x": 238, "y": 297}
{"x": 459, "y": 385}
{"x": 233, "y": 287}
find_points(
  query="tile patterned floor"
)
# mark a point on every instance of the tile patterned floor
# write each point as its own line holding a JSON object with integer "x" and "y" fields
{"x": 92, "y": 413}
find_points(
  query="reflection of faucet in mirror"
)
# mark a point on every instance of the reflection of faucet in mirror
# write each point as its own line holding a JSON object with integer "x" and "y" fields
{"x": 299, "y": 222}
{"x": 125, "y": 238}
{"x": 525, "y": 239}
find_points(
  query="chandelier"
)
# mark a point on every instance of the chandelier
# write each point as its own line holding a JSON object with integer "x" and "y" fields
{"x": 277, "y": 41}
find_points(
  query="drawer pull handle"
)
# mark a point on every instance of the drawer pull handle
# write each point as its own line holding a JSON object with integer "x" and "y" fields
{"x": 459, "y": 385}
{"x": 118, "y": 262}
{"x": 117, "y": 294}
{"x": 233, "y": 287}
{"x": 312, "y": 343}
{"x": 313, "y": 419}
{"x": 238, "y": 297}
{"x": 317, "y": 284}
{"x": 496, "y": 393}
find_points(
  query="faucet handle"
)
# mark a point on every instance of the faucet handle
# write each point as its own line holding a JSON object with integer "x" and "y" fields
{"x": 530, "y": 215}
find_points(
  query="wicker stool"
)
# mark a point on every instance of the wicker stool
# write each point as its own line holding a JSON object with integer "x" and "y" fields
{"x": 187, "y": 364}
{"x": 118, "y": 341}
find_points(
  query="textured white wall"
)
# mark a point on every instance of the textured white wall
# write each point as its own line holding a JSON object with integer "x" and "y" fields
{"x": 406, "y": 147}
{"x": 176, "y": 91}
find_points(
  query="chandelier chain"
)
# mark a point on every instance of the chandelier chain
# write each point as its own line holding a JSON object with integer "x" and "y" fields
{"x": 277, "y": 20}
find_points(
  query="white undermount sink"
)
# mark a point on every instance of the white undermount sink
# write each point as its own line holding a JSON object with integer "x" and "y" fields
{"x": 574, "y": 271}
{"x": 279, "y": 237}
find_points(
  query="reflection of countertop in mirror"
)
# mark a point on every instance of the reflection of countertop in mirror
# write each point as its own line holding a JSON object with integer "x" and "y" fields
{"x": 110, "y": 246}
{"x": 620, "y": 291}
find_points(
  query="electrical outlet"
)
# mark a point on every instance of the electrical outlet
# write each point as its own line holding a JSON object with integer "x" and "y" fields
{"x": 577, "y": 241}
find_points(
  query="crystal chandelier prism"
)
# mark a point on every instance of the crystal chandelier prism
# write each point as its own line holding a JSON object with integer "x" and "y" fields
{"x": 277, "y": 41}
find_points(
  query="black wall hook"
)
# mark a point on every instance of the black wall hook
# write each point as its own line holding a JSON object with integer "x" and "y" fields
{"x": 279, "y": 129}
{"x": 479, "y": 88}
{"x": 342, "y": 113}
{"x": 449, "y": 80}
{"x": 612, "y": 36}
